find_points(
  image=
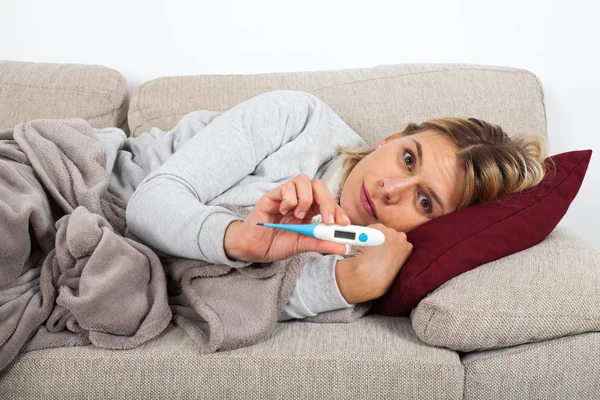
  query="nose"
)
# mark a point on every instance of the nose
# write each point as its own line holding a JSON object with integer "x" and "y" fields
{"x": 394, "y": 189}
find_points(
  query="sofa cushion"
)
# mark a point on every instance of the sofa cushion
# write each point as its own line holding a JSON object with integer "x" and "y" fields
{"x": 547, "y": 291}
{"x": 374, "y": 357}
{"x": 43, "y": 90}
{"x": 375, "y": 102}
{"x": 465, "y": 239}
{"x": 566, "y": 368}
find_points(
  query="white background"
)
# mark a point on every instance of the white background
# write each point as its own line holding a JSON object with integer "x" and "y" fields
{"x": 559, "y": 41}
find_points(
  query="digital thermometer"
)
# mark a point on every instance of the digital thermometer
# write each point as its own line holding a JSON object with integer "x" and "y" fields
{"x": 353, "y": 235}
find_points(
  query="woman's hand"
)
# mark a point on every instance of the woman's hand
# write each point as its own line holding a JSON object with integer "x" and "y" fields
{"x": 371, "y": 271}
{"x": 295, "y": 202}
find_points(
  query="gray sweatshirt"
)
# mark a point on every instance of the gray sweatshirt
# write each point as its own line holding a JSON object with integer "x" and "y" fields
{"x": 235, "y": 157}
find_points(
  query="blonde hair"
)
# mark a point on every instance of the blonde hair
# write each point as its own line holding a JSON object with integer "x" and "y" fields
{"x": 495, "y": 164}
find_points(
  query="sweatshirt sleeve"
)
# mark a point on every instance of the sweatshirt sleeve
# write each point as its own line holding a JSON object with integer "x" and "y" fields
{"x": 316, "y": 289}
{"x": 168, "y": 209}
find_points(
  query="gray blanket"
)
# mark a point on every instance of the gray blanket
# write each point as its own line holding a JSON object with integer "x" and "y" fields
{"x": 71, "y": 274}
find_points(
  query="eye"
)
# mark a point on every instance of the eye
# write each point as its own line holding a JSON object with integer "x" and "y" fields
{"x": 425, "y": 203}
{"x": 409, "y": 159}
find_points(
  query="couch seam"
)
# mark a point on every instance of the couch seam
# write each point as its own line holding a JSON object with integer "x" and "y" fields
{"x": 113, "y": 111}
{"x": 125, "y": 99}
{"x": 495, "y": 223}
{"x": 122, "y": 83}
{"x": 464, "y": 385}
{"x": 429, "y": 319}
{"x": 542, "y": 100}
{"x": 515, "y": 71}
{"x": 450, "y": 310}
{"x": 172, "y": 115}
{"x": 138, "y": 108}
{"x": 178, "y": 113}
{"x": 544, "y": 343}
{"x": 33, "y": 358}
{"x": 137, "y": 103}
{"x": 104, "y": 93}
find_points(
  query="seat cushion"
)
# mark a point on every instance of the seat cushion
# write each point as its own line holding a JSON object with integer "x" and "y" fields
{"x": 44, "y": 90}
{"x": 566, "y": 368}
{"x": 375, "y": 357}
{"x": 547, "y": 291}
{"x": 375, "y": 102}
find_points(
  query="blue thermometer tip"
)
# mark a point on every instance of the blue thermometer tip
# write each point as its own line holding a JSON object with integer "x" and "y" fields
{"x": 304, "y": 229}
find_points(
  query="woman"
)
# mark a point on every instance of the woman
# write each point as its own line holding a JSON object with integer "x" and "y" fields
{"x": 288, "y": 158}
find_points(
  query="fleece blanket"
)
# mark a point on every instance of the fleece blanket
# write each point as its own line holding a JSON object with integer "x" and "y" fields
{"x": 71, "y": 274}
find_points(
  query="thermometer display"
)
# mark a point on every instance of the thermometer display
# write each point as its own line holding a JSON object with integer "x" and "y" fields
{"x": 344, "y": 235}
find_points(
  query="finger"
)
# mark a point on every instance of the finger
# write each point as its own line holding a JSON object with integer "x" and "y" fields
{"x": 310, "y": 214}
{"x": 324, "y": 199}
{"x": 341, "y": 218}
{"x": 304, "y": 192}
{"x": 289, "y": 197}
{"x": 307, "y": 243}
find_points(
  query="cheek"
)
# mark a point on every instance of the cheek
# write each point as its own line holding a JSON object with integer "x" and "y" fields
{"x": 350, "y": 203}
{"x": 345, "y": 199}
{"x": 405, "y": 218}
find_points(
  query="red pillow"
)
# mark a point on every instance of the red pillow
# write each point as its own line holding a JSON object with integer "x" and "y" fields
{"x": 447, "y": 246}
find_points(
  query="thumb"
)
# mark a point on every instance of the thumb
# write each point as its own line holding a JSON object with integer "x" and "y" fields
{"x": 308, "y": 243}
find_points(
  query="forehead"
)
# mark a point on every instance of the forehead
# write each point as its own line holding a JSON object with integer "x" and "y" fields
{"x": 439, "y": 152}
{"x": 432, "y": 138}
{"x": 434, "y": 143}
{"x": 440, "y": 169}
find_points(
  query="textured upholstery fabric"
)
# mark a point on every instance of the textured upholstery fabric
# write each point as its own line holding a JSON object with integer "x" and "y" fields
{"x": 375, "y": 102}
{"x": 375, "y": 358}
{"x": 547, "y": 291}
{"x": 566, "y": 368}
{"x": 43, "y": 90}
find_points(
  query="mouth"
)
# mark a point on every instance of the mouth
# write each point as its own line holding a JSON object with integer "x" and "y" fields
{"x": 367, "y": 202}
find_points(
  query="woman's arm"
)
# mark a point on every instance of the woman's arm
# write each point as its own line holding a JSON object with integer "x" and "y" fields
{"x": 371, "y": 271}
{"x": 168, "y": 209}
{"x": 316, "y": 289}
{"x": 330, "y": 282}
{"x": 350, "y": 282}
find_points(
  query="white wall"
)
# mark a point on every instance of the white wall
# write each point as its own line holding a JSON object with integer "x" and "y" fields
{"x": 557, "y": 40}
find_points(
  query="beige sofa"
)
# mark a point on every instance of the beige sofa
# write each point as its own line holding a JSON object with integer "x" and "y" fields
{"x": 526, "y": 326}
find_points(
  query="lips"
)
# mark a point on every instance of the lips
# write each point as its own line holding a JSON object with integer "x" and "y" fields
{"x": 367, "y": 202}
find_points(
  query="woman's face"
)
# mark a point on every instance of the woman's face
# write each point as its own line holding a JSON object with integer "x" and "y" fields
{"x": 408, "y": 181}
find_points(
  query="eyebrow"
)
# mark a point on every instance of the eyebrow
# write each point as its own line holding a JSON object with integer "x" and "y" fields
{"x": 433, "y": 193}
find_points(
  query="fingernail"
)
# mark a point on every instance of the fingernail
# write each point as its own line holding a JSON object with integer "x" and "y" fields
{"x": 349, "y": 250}
{"x": 330, "y": 218}
{"x": 301, "y": 214}
{"x": 345, "y": 218}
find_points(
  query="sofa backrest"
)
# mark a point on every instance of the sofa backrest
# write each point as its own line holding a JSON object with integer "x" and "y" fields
{"x": 44, "y": 90}
{"x": 375, "y": 102}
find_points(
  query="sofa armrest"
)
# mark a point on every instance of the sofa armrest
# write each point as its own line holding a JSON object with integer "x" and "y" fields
{"x": 547, "y": 291}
